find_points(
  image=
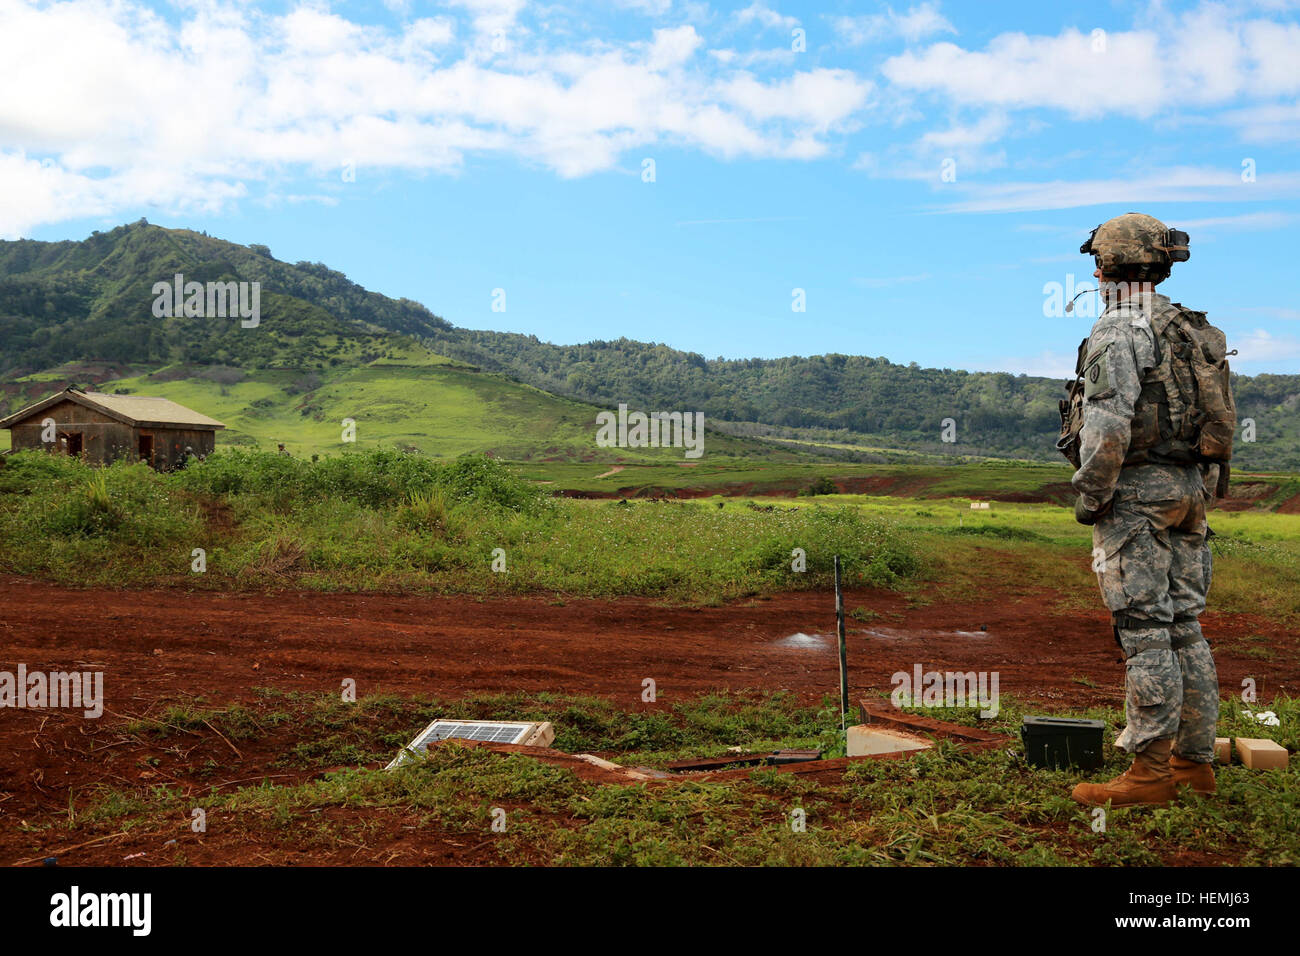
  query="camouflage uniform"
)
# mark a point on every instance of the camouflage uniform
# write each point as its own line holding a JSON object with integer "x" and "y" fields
{"x": 1150, "y": 550}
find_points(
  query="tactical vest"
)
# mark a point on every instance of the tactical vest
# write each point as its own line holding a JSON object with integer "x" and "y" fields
{"x": 1185, "y": 413}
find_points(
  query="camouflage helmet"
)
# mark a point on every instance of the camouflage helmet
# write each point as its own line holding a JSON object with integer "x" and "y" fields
{"x": 1136, "y": 246}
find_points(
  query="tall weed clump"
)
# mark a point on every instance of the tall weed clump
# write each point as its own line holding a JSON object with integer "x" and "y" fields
{"x": 93, "y": 524}
{"x": 490, "y": 483}
{"x": 377, "y": 478}
{"x": 389, "y": 520}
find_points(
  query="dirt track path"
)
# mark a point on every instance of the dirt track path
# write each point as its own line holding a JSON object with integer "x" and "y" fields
{"x": 161, "y": 645}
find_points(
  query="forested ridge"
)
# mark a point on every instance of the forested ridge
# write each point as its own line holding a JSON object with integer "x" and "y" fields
{"x": 91, "y": 300}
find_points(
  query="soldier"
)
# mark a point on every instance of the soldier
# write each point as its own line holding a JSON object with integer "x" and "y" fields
{"x": 1145, "y": 427}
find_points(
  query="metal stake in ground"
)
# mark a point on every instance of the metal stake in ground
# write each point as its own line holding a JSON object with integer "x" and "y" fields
{"x": 844, "y": 651}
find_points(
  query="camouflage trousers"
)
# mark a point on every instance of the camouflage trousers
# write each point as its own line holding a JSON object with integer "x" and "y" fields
{"x": 1153, "y": 566}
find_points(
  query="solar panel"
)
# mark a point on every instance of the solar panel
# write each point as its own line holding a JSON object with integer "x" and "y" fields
{"x": 497, "y": 733}
{"x": 492, "y": 731}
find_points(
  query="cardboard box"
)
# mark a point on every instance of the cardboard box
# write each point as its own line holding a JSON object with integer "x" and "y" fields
{"x": 1259, "y": 754}
{"x": 1223, "y": 750}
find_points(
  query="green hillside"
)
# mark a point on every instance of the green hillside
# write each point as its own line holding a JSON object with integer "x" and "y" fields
{"x": 439, "y": 408}
{"x": 325, "y": 350}
{"x": 850, "y": 405}
{"x": 93, "y": 300}
{"x": 90, "y": 303}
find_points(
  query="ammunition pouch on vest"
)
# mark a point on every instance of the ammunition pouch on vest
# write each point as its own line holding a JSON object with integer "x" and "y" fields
{"x": 1185, "y": 413}
{"x": 1072, "y": 411}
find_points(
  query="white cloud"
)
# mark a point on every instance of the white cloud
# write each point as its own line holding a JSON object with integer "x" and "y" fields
{"x": 1243, "y": 222}
{"x": 1276, "y": 312}
{"x": 769, "y": 19}
{"x": 987, "y": 129}
{"x": 429, "y": 32}
{"x": 1017, "y": 73}
{"x": 673, "y": 47}
{"x": 1272, "y": 123}
{"x": 819, "y": 98}
{"x": 135, "y": 110}
{"x": 921, "y": 21}
{"x": 918, "y": 22}
{"x": 1260, "y": 346}
{"x": 962, "y": 149}
{"x": 1209, "y": 67}
{"x": 651, "y": 8}
{"x": 1177, "y": 184}
{"x": 763, "y": 59}
{"x": 1021, "y": 72}
{"x": 490, "y": 16}
{"x": 1204, "y": 57}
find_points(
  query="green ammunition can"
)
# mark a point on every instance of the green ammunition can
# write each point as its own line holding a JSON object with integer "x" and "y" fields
{"x": 1055, "y": 743}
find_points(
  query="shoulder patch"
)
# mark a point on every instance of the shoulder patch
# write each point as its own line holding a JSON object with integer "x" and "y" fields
{"x": 1096, "y": 374}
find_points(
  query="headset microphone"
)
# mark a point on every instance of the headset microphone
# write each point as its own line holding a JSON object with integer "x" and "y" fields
{"x": 1069, "y": 306}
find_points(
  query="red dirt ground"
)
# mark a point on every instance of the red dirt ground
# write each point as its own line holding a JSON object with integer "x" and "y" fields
{"x": 172, "y": 644}
{"x": 1061, "y": 492}
{"x": 898, "y": 485}
{"x": 1291, "y": 506}
{"x": 1244, "y": 495}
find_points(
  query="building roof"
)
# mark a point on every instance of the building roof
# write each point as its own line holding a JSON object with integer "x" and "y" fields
{"x": 134, "y": 410}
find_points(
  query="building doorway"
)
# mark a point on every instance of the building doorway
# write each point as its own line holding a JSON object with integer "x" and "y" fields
{"x": 146, "y": 448}
{"x": 72, "y": 443}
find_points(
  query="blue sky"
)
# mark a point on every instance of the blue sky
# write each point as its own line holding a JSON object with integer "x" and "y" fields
{"x": 921, "y": 171}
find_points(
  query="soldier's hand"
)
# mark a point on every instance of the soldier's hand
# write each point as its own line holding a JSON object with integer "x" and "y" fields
{"x": 1084, "y": 515}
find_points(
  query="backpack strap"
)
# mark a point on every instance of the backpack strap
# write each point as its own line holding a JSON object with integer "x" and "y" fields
{"x": 1160, "y": 320}
{"x": 1083, "y": 357}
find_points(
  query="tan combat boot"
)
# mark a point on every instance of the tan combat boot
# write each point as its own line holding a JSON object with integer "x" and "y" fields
{"x": 1149, "y": 780}
{"x": 1188, "y": 773}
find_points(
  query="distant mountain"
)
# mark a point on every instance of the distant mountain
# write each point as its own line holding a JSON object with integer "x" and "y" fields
{"x": 325, "y": 350}
{"x": 847, "y": 399}
{"x": 91, "y": 300}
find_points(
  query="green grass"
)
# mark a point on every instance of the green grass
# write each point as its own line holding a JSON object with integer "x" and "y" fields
{"x": 388, "y": 521}
{"x": 718, "y": 474}
{"x": 373, "y": 729}
{"x": 1039, "y": 545}
{"x": 940, "y": 807}
{"x": 415, "y": 398}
